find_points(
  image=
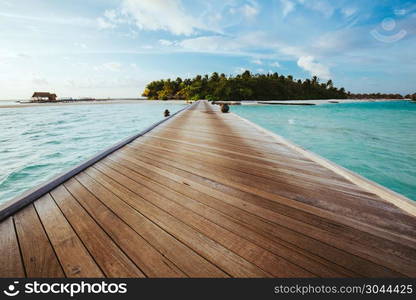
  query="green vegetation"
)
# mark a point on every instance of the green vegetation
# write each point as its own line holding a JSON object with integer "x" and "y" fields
{"x": 411, "y": 97}
{"x": 245, "y": 86}
{"x": 376, "y": 96}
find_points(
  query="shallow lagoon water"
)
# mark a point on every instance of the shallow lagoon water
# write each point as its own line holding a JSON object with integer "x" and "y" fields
{"x": 37, "y": 143}
{"x": 375, "y": 139}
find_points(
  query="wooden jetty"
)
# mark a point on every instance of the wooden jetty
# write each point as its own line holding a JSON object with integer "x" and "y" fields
{"x": 206, "y": 194}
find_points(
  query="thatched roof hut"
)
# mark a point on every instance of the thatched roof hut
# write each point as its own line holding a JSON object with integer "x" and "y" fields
{"x": 43, "y": 96}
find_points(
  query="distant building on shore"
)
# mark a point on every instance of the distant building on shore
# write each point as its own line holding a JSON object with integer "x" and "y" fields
{"x": 43, "y": 96}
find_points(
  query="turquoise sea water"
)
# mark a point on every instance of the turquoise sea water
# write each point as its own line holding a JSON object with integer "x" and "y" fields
{"x": 37, "y": 143}
{"x": 7, "y": 102}
{"x": 375, "y": 139}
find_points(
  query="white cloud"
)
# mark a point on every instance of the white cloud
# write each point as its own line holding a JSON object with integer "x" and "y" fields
{"x": 110, "y": 19}
{"x": 210, "y": 44}
{"x": 249, "y": 11}
{"x": 309, "y": 64}
{"x": 288, "y": 7}
{"x": 275, "y": 64}
{"x": 109, "y": 66}
{"x": 322, "y": 6}
{"x": 400, "y": 12}
{"x": 40, "y": 81}
{"x": 348, "y": 11}
{"x": 162, "y": 15}
{"x": 58, "y": 20}
{"x": 242, "y": 45}
{"x": 80, "y": 45}
{"x": 239, "y": 70}
{"x": 104, "y": 24}
{"x": 111, "y": 14}
{"x": 166, "y": 42}
{"x": 228, "y": 45}
{"x": 23, "y": 55}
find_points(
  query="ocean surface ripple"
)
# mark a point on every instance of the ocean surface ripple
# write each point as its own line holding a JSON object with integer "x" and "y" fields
{"x": 37, "y": 143}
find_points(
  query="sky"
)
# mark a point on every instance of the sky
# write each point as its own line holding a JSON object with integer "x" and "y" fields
{"x": 113, "y": 48}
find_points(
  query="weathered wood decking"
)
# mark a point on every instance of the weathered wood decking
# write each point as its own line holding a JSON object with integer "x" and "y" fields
{"x": 208, "y": 195}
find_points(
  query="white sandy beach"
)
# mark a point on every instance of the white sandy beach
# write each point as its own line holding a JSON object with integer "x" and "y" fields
{"x": 101, "y": 102}
{"x": 317, "y": 102}
{"x": 8, "y": 103}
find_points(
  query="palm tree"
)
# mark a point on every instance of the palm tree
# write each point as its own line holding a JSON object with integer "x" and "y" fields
{"x": 214, "y": 77}
{"x": 246, "y": 75}
{"x": 243, "y": 86}
{"x": 329, "y": 83}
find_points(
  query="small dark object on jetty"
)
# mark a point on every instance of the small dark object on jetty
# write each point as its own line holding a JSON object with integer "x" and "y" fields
{"x": 225, "y": 108}
{"x": 167, "y": 113}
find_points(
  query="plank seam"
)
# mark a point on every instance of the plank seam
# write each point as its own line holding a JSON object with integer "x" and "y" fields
{"x": 155, "y": 183}
{"x": 20, "y": 249}
{"x": 122, "y": 220}
{"x": 178, "y": 221}
{"x": 99, "y": 225}
{"x": 301, "y": 233}
{"x": 49, "y": 240}
{"x": 80, "y": 239}
{"x": 365, "y": 258}
{"x": 144, "y": 216}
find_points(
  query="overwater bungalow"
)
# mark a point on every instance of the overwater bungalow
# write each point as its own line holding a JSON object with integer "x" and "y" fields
{"x": 43, "y": 96}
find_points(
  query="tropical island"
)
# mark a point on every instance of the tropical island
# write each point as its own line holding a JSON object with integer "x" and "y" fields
{"x": 243, "y": 87}
{"x": 248, "y": 86}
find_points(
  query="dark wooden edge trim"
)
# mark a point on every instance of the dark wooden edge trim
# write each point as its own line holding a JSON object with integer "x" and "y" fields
{"x": 13, "y": 205}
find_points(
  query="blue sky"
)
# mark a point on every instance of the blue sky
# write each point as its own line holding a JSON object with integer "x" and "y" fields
{"x": 112, "y": 48}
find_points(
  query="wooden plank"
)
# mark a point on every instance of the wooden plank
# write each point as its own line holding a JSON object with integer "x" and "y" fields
{"x": 272, "y": 191}
{"x": 74, "y": 258}
{"x": 292, "y": 224}
{"x": 212, "y": 251}
{"x": 275, "y": 168}
{"x": 150, "y": 261}
{"x": 106, "y": 253}
{"x": 10, "y": 259}
{"x": 275, "y": 265}
{"x": 231, "y": 142}
{"x": 351, "y": 204}
{"x": 297, "y": 178}
{"x": 245, "y": 224}
{"x": 38, "y": 255}
{"x": 187, "y": 260}
{"x": 242, "y": 149}
{"x": 208, "y": 194}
